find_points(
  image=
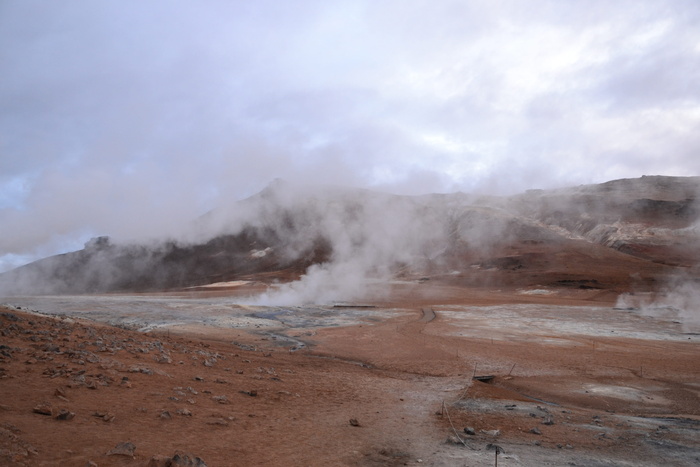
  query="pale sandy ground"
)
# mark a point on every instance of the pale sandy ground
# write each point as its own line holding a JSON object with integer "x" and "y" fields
{"x": 576, "y": 382}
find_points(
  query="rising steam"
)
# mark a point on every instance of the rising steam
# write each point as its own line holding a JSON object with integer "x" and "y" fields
{"x": 679, "y": 301}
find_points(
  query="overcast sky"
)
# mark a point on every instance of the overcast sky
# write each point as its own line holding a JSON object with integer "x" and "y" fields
{"x": 125, "y": 118}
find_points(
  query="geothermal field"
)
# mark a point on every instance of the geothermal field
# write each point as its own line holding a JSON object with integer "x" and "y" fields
{"x": 345, "y": 327}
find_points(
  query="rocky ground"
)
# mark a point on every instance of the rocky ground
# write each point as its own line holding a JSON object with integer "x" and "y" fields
{"x": 397, "y": 390}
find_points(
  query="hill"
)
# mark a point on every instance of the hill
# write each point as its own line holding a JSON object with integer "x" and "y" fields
{"x": 620, "y": 235}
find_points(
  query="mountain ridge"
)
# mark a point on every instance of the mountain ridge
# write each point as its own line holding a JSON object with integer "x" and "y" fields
{"x": 618, "y": 235}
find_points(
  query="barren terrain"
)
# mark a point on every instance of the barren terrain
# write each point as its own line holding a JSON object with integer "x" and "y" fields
{"x": 575, "y": 382}
{"x": 347, "y": 327}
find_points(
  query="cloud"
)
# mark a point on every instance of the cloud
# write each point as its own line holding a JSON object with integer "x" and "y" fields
{"x": 131, "y": 118}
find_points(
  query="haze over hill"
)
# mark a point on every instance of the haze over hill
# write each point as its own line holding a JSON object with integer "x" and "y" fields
{"x": 324, "y": 243}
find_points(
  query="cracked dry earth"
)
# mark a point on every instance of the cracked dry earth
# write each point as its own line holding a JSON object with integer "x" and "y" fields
{"x": 396, "y": 391}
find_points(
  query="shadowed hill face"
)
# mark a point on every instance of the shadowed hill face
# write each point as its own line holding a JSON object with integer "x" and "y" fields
{"x": 329, "y": 242}
{"x": 160, "y": 266}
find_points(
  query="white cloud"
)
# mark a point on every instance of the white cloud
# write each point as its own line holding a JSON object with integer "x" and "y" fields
{"x": 129, "y": 118}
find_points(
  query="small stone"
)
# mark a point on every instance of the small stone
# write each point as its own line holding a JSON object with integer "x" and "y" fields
{"x": 43, "y": 409}
{"x": 469, "y": 430}
{"x": 493, "y": 433}
{"x": 184, "y": 412}
{"x": 535, "y": 431}
{"x": 123, "y": 449}
{"x": 548, "y": 421}
{"x": 106, "y": 416}
{"x": 354, "y": 422}
{"x": 163, "y": 358}
{"x": 185, "y": 459}
{"x": 165, "y": 415}
{"x": 65, "y": 415}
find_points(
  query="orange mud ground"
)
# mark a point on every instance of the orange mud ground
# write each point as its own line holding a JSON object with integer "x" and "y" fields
{"x": 391, "y": 392}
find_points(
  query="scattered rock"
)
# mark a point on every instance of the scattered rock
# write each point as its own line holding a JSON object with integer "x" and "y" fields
{"x": 251, "y": 393}
{"x": 469, "y": 430}
{"x": 184, "y": 412}
{"x": 548, "y": 421}
{"x": 184, "y": 459}
{"x": 65, "y": 415}
{"x": 13, "y": 449}
{"x": 165, "y": 415}
{"x": 535, "y": 431}
{"x": 123, "y": 449}
{"x": 163, "y": 358}
{"x": 354, "y": 422}
{"x": 106, "y": 416}
{"x": 43, "y": 409}
{"x": 221, "y": 399}
{"x": 493, "y": 433}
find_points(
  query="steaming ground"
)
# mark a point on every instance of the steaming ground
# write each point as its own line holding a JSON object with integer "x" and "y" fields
{"x": 522, "y": 322}
{"x": 350, "y": 305}
{"x": 601, "y": 386}
{"x": 148, "y": 312}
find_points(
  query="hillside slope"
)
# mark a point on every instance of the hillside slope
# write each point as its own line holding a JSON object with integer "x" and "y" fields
{"x": 617, "y": 235}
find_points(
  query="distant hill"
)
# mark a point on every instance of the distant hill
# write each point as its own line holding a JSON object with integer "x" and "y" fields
{"x": 618, "y": 235}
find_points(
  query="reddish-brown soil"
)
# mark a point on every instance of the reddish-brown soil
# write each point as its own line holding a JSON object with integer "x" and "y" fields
{"x": 392, "y": 392}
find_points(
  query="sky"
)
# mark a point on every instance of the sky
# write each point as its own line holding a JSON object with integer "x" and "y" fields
{"x": 127, "y": 118}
